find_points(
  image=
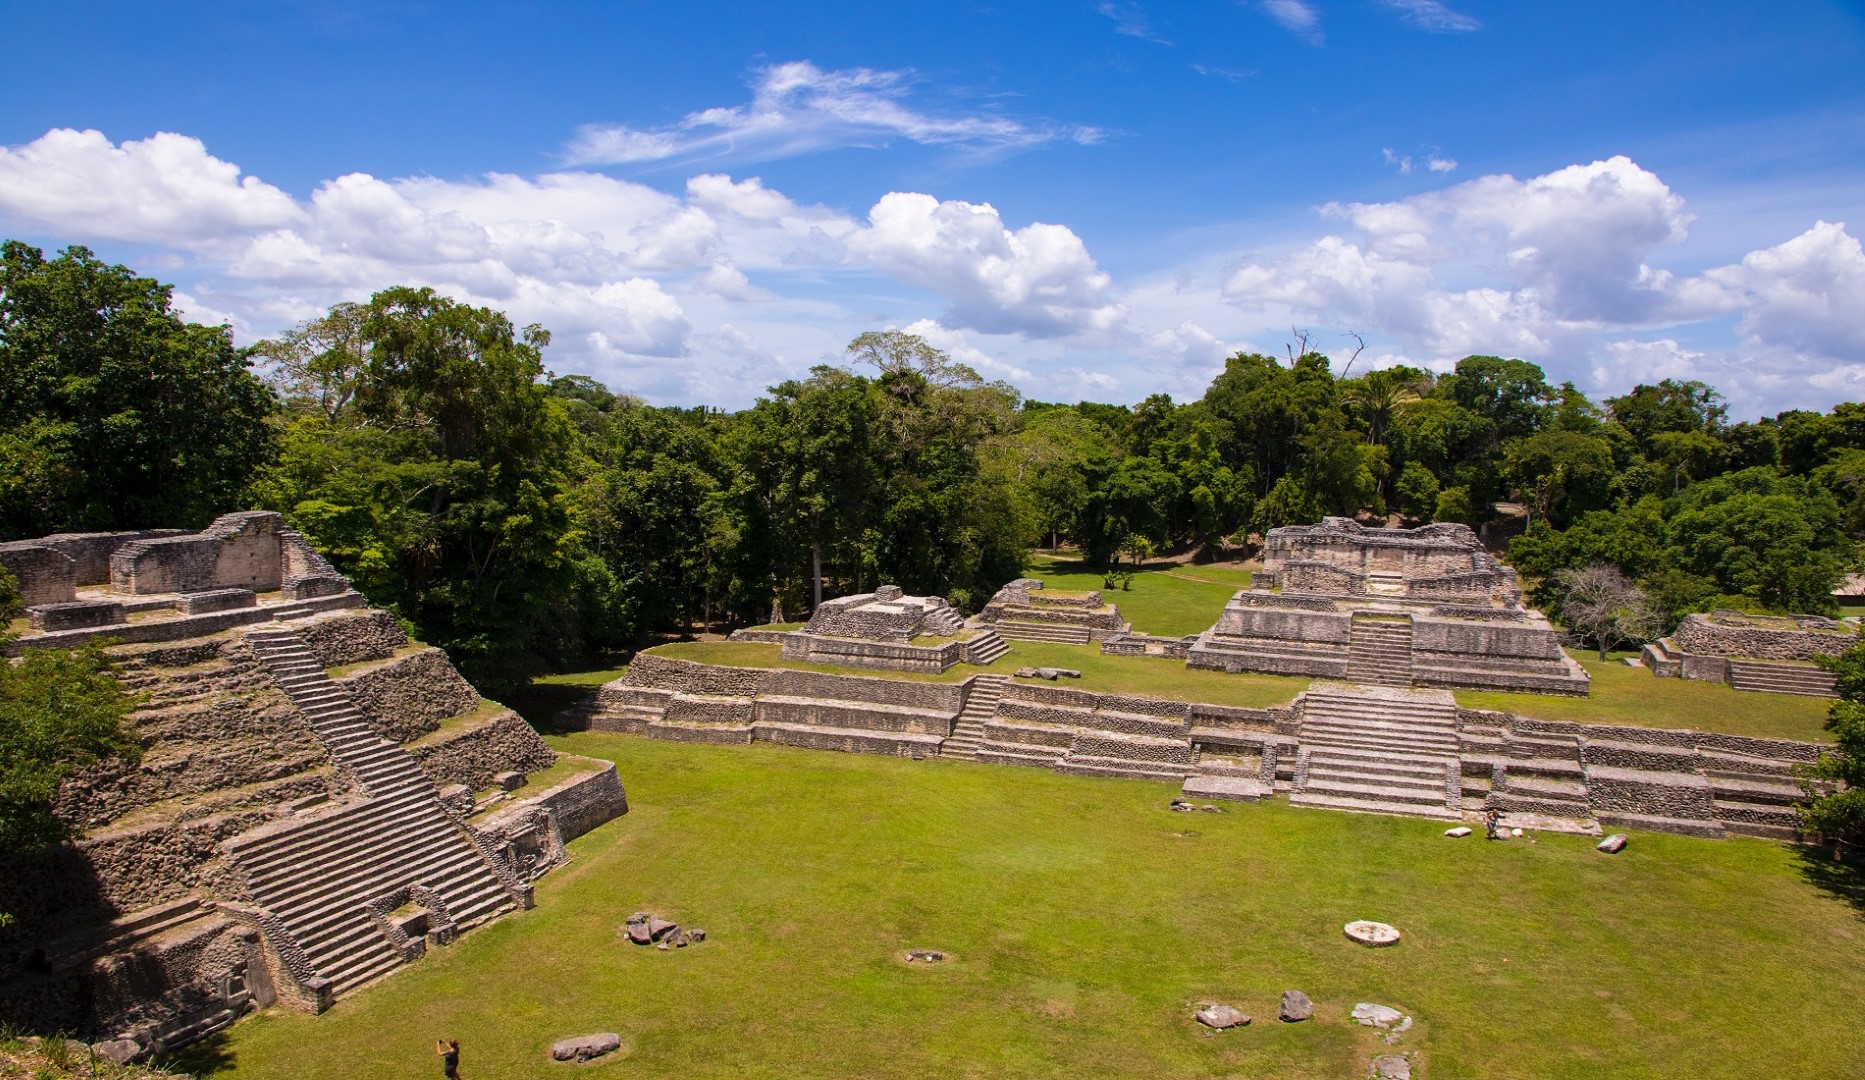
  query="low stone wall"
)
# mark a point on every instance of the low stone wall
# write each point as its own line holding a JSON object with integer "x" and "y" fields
{"x": 1707, "y": 636}
{"x": 183, "y": 626}
{"x": 237, "y": 551}
{"x": 408, "y": 696}
{"x": 762, "y": 637}
{"x": 1276, "y": 623}
{"x": 473, "y": 754}
{"x": 1748, "y": 746}
{"x": 578, "y": 805}
{"x": 1673, "y": 795}
{"x": 1138, "y": 644}
{"x": 884, "y": 656}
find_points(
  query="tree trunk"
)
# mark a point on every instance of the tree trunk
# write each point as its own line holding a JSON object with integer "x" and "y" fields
{"x": 815, "y": 573}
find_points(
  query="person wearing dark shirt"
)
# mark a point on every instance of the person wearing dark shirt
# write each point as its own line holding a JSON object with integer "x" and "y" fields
{"x": 449, "y": 1051}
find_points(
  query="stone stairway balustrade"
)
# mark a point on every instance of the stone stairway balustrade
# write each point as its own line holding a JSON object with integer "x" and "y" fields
{"x": 968, "y": 729}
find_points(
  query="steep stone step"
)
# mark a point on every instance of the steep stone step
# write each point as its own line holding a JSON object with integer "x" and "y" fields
{"x": 1054, "y": 632}
{"x": 1373, "y": 806}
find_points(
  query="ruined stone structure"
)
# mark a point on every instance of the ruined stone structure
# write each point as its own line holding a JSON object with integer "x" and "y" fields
{"x": 888, "y": 630}
{"x": 1769, "y": 653}
{"x": 1025, "y": 611}
{"x": 1337, "y": 746}
{"x": 303, "y": 819}
{"x": 1388, "y": 607}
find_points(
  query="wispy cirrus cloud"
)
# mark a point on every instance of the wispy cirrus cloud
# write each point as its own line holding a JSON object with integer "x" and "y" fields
{"x": 797, "y": 108}
{"x": 1297, "y": 17}
{"x": 1433, "y": 16}
{"x": 1130, "y": 20}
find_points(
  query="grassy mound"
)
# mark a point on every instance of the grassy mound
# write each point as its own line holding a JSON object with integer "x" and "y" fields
{"x": 1085, "y": 922}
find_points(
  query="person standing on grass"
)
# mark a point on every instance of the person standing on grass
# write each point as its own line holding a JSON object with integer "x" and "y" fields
{"x": 449, "y": 1052}
{"x": 1489, "y": 823}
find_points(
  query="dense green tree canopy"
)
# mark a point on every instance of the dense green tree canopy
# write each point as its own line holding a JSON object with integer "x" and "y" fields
{"x": 114, "y": 413}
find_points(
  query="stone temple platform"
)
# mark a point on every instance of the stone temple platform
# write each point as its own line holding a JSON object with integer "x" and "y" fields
{"x": 1768, "y": 653}
{"x": 1425, "y": 607}
{"x": 1025, "y": 611}
{"x": 890, "y": 631}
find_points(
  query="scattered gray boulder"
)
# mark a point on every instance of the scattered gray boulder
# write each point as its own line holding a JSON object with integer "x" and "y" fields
{"x": 1392, "y": 1067}
{"x": 638, "y": 933}
{"x": 1461, "y": 830}
{"x": 585, "y": 1047}
{"x": 1181, "y": 806}
{"x": 659, "y": 929}
{"x": 1374, "y": 934}
{"x": 1295, "y": 1007}
{"x": 1050, "y": 673}
{"x": 696, "y": 934}
{"x": 118, "y": 1051}
{"x": 1613, "y": 844}
{"x": 925, "y": 956}
{"x": 1221, "y": 1017}
{"x": 1379, "y": 1016}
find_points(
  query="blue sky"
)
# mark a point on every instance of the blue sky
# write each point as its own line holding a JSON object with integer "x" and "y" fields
{"x": 1097, "y": 199}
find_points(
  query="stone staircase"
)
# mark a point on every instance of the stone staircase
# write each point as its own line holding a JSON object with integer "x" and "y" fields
{"x": 1061, "y": 633}
{"x": 943, "y": 621}
{"x": 987, "y": 648}
{"x": 1384, "y": 754}
{"x": 980, "y": 705}
{"x": 1380, "y": 651}
{"x": 318, "y": 876}
{"x": 379, "y": 765}
{"x": 1769, "y": 678}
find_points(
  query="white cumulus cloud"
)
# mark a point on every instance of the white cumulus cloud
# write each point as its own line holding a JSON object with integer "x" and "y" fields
{"x": 1038, "y": 280}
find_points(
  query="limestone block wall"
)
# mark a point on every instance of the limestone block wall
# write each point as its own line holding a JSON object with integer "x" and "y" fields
{"x": 474, "y": 753}
{"x": 584, "y": 802}
{"x": 237, "y": 551}
{"x": 1534, "y": 640}
{"x": 408, "y": 696}
{"x": 933, "y": 696}
{"x": 43, "y": 575}
{"x": 1777, "y": 639}
{"x": 1291, "y": 623}
{"x": 881, "y": 655}
{"x": 1316, "y": 576}
{"x": 686, "y": 676}
{"x": 1654, "y": 794}
{"x": 351, "y": 637}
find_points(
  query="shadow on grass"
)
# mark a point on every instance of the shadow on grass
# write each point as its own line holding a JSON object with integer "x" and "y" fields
{"x": 204, "y": 1057}
{"x": 1846, "y": 880}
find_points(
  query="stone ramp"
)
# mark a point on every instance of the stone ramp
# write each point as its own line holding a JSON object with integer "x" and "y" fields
{"x": 980, "y": 705}
{"x": 1384, "y": 753}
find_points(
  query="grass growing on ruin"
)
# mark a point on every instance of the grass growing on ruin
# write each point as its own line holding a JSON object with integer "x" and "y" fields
{"x": 1166, "y": 601}
{"x": 1084, "y": 922}
{"x": 1633, "y": 696}
{"x": 1150, "y": 676}
{"x": 760, "y": 654}
{"x": 1145, "y": 676}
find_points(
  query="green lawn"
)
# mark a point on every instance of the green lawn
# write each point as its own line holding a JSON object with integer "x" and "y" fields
{"x": 1168, "y": 601}
{"x": 1085, "y": 921}
{"x": 1633, "y": 696}
{"x": 1153, "y": 676}
{"x": 1150, "y": 676}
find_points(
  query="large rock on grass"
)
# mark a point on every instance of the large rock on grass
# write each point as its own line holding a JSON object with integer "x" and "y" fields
{"x": 585, "y": 1047}
{"x": 1221, "y": 1017}
{"x": 1295, "y": 1007}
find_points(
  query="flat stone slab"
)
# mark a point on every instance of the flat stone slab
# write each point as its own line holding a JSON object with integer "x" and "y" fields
{"x": 1613, "y": 844}
{"x": 585, "y": 1047}
{"x": 1295, "y": 1007}
{"x": 1234, "y": 788}
{"x": 1461, "y": 830}
{"x": 1221, "y": 1017}
{"x": 1516, "y": 819}
{"x": 1367, "y": 932}
{"x": 1392, "y": 1067}
{"x": 1380, "y": 1016}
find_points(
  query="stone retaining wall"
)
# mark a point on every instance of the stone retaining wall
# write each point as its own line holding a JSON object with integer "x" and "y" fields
{"x": 237, "y": 551}
{"x": 1708, "y": 635}
{"x": 690, "y": 677}
{"x": 408, "y": 696}
{"x": 352, "y": 637}
{"x": 884, "y": 656}
{"x": 477, "y": 752}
